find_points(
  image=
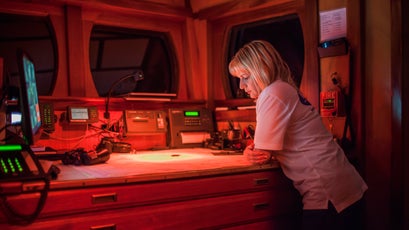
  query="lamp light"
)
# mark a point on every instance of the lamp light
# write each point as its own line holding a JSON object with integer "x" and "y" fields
{"x": 136, "y": 75}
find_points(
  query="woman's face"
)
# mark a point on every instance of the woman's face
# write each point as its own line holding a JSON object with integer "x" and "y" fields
{"x": 248, "y": 84}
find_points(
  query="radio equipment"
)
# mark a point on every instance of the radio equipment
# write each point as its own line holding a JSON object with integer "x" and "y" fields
{"x": 21, "y": 173}
{"x": 144, "y": 121}
{"x": 190, "y": 127}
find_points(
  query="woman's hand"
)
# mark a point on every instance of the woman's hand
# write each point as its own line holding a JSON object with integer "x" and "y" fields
{"x": 257, "y": 156}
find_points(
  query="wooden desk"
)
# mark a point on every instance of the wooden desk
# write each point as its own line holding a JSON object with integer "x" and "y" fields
{"x": 194, "y": 190}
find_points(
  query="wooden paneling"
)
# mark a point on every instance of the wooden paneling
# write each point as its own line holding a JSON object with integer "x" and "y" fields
{"x": 378, "y": 115}
{"x": 199, "y": 45}
{"x": 227, "y": 8}
{"x": 310, "y": 78}
{"x": 172, "y": 9}
{"x": 196, "y": 51}
{"x": 400, "y": 114}
{"x": 236, "y": 115}
{"x": 75, "y": 52}
{"x": 354, "y": 75}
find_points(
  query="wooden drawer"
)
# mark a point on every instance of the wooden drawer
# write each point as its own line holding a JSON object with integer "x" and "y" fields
{"x": 93, "y": 199}
{"x": 282, "y": 222}
{"x": 215, "y": 212}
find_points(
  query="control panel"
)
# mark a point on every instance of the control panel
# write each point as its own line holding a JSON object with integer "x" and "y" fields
{"x": 47, "y": 117}
{"x": 16, "y": 163}
{"x": 82, "y": 114}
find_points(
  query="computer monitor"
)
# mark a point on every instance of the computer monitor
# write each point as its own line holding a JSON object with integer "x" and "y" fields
{"x": 29, "y": 103}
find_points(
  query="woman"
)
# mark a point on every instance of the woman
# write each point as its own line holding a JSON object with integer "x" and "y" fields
{"x": 290, "y": 129}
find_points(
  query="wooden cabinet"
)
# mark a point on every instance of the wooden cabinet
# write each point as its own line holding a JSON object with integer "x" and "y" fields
{"x": 263, "y": 199}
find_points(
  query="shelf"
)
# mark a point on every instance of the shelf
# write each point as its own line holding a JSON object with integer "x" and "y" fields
{"x": 115, "y": 103}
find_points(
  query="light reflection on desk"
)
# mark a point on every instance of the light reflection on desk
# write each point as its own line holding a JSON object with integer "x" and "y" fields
{"x": 166, "y": 157}
{"x": 153, "y": 166}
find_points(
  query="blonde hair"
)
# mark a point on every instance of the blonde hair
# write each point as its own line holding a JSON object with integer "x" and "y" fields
{"x": 262, "y": 62}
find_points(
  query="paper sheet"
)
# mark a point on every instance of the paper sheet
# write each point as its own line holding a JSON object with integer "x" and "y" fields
{"x": 333, "y": 24}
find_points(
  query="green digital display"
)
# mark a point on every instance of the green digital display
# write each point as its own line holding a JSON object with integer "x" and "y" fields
{"x": 192, "y": 113}
{"x": 4, "y": 148}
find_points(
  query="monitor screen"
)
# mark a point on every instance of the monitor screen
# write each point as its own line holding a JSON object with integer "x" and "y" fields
{"x": 29, "y": 103}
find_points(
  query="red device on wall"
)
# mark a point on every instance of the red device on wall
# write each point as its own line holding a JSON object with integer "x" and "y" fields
{"x": 332, "y": 104}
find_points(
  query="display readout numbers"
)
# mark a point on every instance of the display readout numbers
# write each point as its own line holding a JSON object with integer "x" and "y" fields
{"x": 192, "y": 113}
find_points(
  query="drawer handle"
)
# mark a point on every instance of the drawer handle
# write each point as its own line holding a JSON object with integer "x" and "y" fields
{"x": 104, "y": 198}
{"x": 261, "y": 206}
{"x": 104, "y": 227}
{"x": 261, "y": 181}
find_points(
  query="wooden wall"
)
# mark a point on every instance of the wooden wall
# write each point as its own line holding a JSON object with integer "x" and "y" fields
{"x": 379, "y": 105}
{"x": 199, "y": 27}
{"x": 385, "y": 104}
{"x": 198, "y": 30}
{"x": 220, "y": 20}
{"x": 73, "y": 21}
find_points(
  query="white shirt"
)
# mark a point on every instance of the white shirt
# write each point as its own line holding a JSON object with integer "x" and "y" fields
{"x": 308, "y": 155}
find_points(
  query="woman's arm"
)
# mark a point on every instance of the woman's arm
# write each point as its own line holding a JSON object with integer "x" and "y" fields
{"x": 258, "y": 156}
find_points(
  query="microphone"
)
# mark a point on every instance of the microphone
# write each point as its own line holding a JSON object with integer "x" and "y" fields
{"x": 136, "y": 75}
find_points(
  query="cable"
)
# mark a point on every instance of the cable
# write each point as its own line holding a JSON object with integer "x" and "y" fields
{"x": 14, "y": 217}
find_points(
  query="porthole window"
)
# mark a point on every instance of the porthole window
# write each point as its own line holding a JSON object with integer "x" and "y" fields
{"x": 284, "y": 33}
{"x": 36, "y": 36}
{"x": 117, "y": 52}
